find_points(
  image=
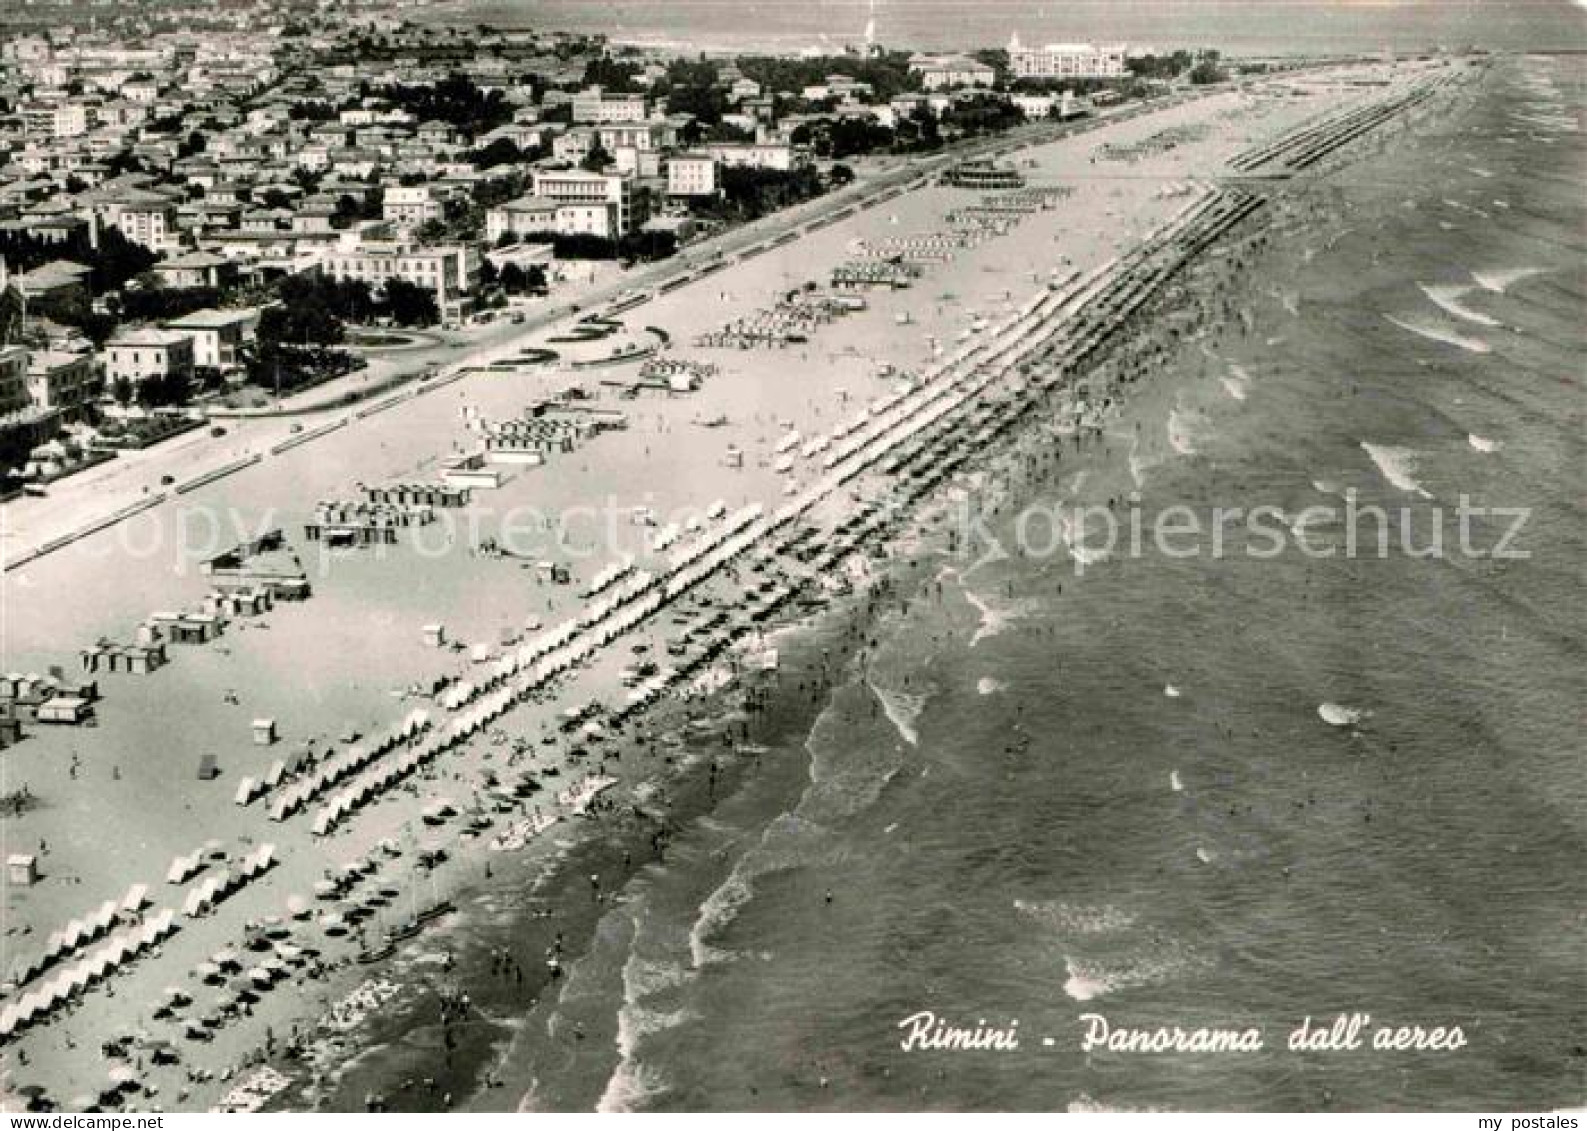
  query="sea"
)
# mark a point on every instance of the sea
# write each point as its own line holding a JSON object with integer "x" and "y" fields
{"x": 1256, "y": 27}
{"x": 1218, "y": 790}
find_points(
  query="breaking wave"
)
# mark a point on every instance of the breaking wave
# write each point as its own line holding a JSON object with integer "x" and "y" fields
{"x": 1447, "y": 337}
{"x": 1447, "y": 299}
{"x": 1397, "y": 465}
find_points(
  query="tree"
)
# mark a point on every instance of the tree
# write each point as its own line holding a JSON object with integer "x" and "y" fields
{"x": 513, "y": 280}
{"x": 121, "y": 389}
{"x": 1207, "y": 71}
{"x": 611, "y": 75}
{"x": 11, "y": 309}
{"x": 596, "y": 159}
{"x": 840, "y": 175}
{"x": 410, "y": 304}
{"x": 502, "y": 151}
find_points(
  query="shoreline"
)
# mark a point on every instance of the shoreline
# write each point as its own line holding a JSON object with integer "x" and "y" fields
{"x": 1121, "y": 304}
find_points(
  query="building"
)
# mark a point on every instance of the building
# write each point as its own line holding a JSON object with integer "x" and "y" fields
{"x": 528, "y": 215}
{"x": 691, "y": 174}
{"x": 13, "y": 380}
{"x": 1066, "y": 60}
{"x": 594, "y": 105}
{"x": 412, "y": 205}
{"x": 631, "y": 135}
{"x": 147, "y": 218}
{"x": 574, "y": 145}
{"x": 450, "y": 273}
{"x": 54, "y": 119}
{"x": 60, "y": 380}
{"x": 751, "y": 154}
{"x": 592, "y": 203}
{"x": 940, "y": 72}
{"x": 197, "y": 269}
{"x": 218, "y": 336}
{"x": 139, "y": 355}
{"x": 60, "y": 281}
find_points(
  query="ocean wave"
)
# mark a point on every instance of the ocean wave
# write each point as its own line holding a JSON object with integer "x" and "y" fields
{"x": 1447, "y": 299}
{"x": 1138, "y": 466}
{"x": 1179, "y": 433}
{"x": 1397, "y": 465}
{"x": 996, "y": 615}
{"x": 1237, "y": 383}
{"x": 1085, "y": 1105}
{"x": 646, "y": 977}
{"x": 1154, "y": 963}
{"x": 903, "y": 709}
{"x": 630, "y": 1086}
{"x": 1077, "y": 918}
{"x": 718, "y": 910}
{"x": 1502, "y": 280}
{"x": 1338, "y": 715}
{"x": 1482, "y": 443}
{"x": 1447, "y": 337}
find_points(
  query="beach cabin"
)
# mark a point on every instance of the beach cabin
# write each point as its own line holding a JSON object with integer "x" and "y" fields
{"x": 67, "y": 709}
{"x": 22, "y": 869}
{"x": 208, "y": 768}
{"x": 264, "y": 732}
{"x": 555, "y": 572}
{"x": 434, "y": 635}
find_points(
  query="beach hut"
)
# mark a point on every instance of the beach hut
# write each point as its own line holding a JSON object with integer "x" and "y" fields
{"x": 137, "y": 895}
{"x": 208, "y": 768}
{"x": 22, "y": 869}
{"x": 434, "y": 635}
{"x": 245, "y": 791}
{"x": 264, "y": 732}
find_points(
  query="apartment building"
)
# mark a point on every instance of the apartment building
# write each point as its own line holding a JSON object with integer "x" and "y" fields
{"x": 143, "y": 354}
{"x": 593, "y": 203}
{"x": 1067, "y": 60}
{"x": 691, "y": 174}
{"x": 451, "y": 273}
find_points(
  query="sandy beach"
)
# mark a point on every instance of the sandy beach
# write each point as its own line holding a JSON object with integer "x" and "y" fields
{"x": 924, "y": 371}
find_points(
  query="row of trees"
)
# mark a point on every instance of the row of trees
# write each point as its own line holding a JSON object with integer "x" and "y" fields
{"x": 455, "y": 100}
{"x": 641, "y": 246}
{"x": 747, "y": 194}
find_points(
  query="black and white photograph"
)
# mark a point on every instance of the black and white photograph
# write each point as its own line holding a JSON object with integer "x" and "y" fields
{"x": 860, "y": 556}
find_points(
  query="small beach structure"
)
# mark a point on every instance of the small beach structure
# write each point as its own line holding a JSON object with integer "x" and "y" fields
{"x": 264, "y": 732}
{"x": 22, "y": 869}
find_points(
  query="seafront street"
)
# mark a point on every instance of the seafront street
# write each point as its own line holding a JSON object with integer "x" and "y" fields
{"x": 26, "y": 524}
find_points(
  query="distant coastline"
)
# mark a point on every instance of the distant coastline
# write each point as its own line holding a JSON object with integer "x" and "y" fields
{"x": 1257, "y": 28}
